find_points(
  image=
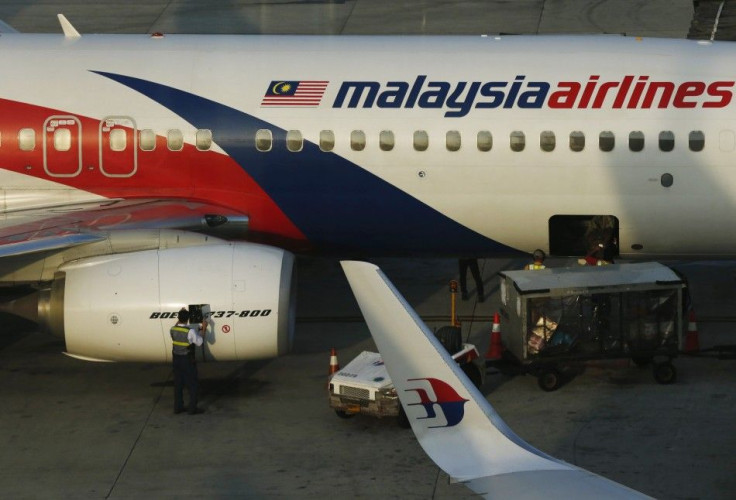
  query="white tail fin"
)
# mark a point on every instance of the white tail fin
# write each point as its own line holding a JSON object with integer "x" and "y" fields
{"x": 69, "y": 30}
{"x": 453, "y": 421}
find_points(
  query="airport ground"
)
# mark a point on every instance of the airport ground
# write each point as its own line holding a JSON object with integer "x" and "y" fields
{"x": 83, "y": 430}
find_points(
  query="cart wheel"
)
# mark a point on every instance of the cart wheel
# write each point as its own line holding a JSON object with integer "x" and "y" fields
{"x": 473, "y": 374}
{"x": 665, "y": 373}
{"x": 549, "y": 379}
{"x": 344, "y": 414}
{"x": 641, "y": 361}
{"x": 402, "y": 419}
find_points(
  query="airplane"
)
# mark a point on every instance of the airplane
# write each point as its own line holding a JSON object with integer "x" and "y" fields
{"x": 452, "y": 420}
{"x": 141, "y": 173}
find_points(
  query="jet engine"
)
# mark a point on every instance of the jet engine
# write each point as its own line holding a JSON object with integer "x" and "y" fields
{"x": 120, "y": 307}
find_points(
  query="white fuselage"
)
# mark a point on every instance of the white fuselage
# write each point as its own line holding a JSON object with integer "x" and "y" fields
{"x": 467, "y": 99}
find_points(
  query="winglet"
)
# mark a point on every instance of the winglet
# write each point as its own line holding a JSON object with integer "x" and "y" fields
{"x": 454, "y": 423}
{"x": 66, "y": 26}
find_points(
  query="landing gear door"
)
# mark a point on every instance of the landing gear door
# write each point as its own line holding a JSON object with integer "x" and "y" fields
{"x": 118, "y": 141}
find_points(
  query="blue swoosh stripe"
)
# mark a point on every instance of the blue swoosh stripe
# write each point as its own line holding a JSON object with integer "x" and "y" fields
{"x": 336, "y": 204}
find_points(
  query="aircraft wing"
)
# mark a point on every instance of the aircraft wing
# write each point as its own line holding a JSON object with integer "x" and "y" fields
{"x": 54, "y": 227}
{"x": 454, "y": 423}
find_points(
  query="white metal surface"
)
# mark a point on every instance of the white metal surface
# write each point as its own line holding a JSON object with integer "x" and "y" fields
{"x": 366, "y": 370}
{"x": 120, "y": 307}
{"x": 644, "y": 273}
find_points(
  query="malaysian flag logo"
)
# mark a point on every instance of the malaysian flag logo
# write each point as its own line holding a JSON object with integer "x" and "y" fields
{"x": 294, "y": 93}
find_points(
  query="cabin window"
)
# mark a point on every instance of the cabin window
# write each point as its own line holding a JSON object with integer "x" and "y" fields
{"x": 386, "y": 140}
{"x": 485, "y": 140}
{"x": 517, "y": 141}
{"x": 577, "y": 141}
{"x": 547, "y": 141}
{"x": 175, "y": 140}
{"x": 452, "y": 140}
{"x": 62, "y": 139}
{"x": 636, "y": 141}
{"x": 148, "y": 140}
{"x": 294, "y": 141}
{"x": 118, "y": 139}
{"x": 606, "y": 141}
{"x": 264, "y": 140}
{"x": 357, "y": 140}
{"x": 421, "y": 140}
{"x": 27, "y": 139}
{"x": 666, "y": 141}
{"x": 203, "y": 139}
{"x": 696, "y": 140}
{"x": 326, "y": 140}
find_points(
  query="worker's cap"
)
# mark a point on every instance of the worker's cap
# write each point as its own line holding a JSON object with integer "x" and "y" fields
{"x": 183, "y": 315}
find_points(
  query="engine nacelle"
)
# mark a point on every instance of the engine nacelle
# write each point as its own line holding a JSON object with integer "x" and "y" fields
{"x": 120, "y": 307}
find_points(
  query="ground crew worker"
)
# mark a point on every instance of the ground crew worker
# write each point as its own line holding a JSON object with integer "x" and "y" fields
{"x": 471, "y": 264}
{"x": 184, "y": 338}
{"x": 594, "y": 257}
{"x": 538, "y": 263}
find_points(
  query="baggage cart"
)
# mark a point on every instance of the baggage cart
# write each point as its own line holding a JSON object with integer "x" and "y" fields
{"x": 556, "y": 318}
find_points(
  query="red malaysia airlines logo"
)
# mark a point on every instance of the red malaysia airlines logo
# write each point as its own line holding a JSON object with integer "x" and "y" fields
{"x": 302, "y": 93}
{"x": 447, "y": 400}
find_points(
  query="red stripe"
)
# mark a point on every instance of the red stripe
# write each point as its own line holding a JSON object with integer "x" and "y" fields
{"x": 224, "y": 185}
{"x": 292, "y": 99}
{"x": 266, "y": 100}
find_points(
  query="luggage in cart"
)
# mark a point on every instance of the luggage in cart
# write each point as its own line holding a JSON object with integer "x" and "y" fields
{"x": 556, "y": 318}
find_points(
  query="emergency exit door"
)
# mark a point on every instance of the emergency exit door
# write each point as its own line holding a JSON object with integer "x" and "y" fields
{"x": 118, "y": 146}
{"x": 62, "y": 146}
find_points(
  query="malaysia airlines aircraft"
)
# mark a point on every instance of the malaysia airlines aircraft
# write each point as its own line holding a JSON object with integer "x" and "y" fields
{"x": 140, "y": 173}
{"x": 454, "y": 423}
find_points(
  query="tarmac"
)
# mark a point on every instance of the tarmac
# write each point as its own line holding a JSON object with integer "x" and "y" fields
{"x": 83, "y": 430}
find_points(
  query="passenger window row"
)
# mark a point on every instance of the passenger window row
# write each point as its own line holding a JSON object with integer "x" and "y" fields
{"x": 118, "y": 140}
{"x": 483, "y": 140}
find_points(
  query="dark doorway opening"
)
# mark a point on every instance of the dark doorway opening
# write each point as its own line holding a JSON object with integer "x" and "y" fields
{"x": 576, "y": 235}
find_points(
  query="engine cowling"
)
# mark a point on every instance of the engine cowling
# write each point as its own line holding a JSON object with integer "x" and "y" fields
{"x": 120, "y": 307}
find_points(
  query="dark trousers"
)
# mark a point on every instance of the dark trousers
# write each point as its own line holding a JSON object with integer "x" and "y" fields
{"x": 471, "y": 264}
{"x": 185, "y": 374}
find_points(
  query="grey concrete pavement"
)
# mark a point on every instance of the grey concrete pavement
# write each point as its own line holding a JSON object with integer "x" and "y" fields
{"x": 634, "y": 17}
{"x": 82, "y": 430}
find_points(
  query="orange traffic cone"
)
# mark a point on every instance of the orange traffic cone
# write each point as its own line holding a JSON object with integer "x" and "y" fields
{"x": 496, "y": 347}
{"x": 334, "y": 366}
{"x": 691, "y": 339}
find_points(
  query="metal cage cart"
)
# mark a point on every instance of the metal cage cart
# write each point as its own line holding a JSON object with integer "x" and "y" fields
{"x": 557, "y": 318}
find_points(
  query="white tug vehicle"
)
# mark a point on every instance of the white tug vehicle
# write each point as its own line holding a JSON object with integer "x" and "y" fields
{"x": 364, "y": 386}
